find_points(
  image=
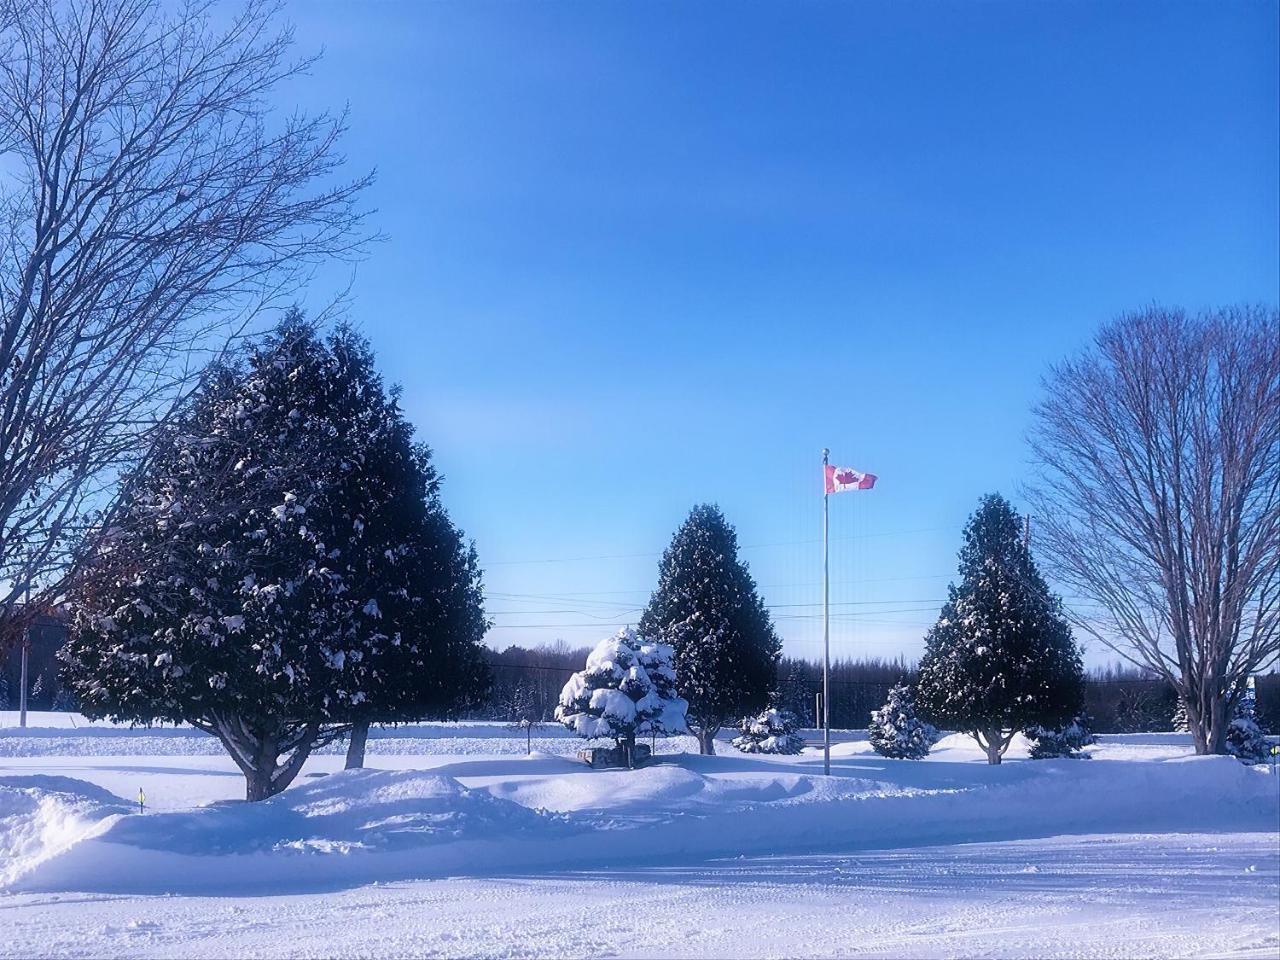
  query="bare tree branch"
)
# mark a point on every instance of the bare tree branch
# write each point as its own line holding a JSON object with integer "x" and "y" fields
{"x": 1158, "y": 497}
{"x": 148, "y": 213}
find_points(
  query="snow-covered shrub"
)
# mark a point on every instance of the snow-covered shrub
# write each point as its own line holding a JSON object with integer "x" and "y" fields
{"x": 1068, "y": 741}
{"x": 1246, "y": 741}
{"x": 895, "y": 730}
{"x": 1179, "y": 722}
{"x": 771, "y": 731}
{"x": 626, "y": 689}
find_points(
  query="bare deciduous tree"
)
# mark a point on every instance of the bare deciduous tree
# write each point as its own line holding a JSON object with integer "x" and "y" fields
{"x": 1158, "y": 498}
{"x": 148, "y": 210}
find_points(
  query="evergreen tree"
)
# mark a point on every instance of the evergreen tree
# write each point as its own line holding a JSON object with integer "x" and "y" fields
{"x": 895, "y": 730}
{"x": 270, "y": 561}
{"x": 707, "y": 608}
{"x": 4, "y": 692}
{"x": 35, "y": 698}
{"x": 1068, "y": 741}
{"x": 64, "y": 701}
{"x": 626, "y": 688}
{"x": 1001, "y": 657}
{"x": 1179, "y": 722}
{"x": 427, "y": 658}
{"x": 794, "y": 697}
{"x": 1246, "y": 741}
{"x": 773, "y": 730}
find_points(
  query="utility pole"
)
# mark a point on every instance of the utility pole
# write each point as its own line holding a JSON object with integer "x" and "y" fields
{"x": 26, "y": 650}
{"x": 826, "y": 626}
{"x": 22, "y": 679}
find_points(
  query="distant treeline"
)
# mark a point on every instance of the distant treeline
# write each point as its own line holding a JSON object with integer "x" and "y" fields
{"x": 1117, "y": 700}
{"x": 527, "y": 681}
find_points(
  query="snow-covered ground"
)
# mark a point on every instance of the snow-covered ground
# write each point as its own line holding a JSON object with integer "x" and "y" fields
{"x": 455, "y": 843}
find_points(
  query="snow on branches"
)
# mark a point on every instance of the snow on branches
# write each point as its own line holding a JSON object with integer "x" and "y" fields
{"x": 771, "y": 731}
{"x": 626, "y": 688}
{"x": 1001, "y": 657}
{"x": 895, "y": 730}
{"x": 285, "y": 567}
{"x": 707, "y": 607}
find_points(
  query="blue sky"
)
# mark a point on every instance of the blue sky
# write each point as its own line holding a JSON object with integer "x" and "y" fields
{"x": 644, "y": 255}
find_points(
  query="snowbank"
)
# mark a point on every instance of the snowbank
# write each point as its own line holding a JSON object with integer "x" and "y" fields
{"x": 360, "y": 826}
{"x": 353, "y": 827}
{"x": 41, "y": 817}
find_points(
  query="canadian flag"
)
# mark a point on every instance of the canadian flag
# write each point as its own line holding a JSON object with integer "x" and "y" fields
{"x": 840, "y": 479}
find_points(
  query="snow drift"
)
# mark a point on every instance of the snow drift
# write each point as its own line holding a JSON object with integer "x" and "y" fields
{"x": 357, "y": 827}
{"x": 41, "y": 817}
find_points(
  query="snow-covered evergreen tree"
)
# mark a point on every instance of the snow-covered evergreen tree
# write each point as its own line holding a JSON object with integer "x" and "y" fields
{"x": 1066, "y": 741}
{"x": 1001, "y": 657}
{"x": 895, "y": 729}
{"x": 426, "y": 656}
{"x": 1179, "y": 722}
{"x": 773, "y": 730}
{"x": 706, "y": 607}
{"x": 1246, "y": 741}
{"x": 627, "y": 688}
{"x": 261, "y": 584}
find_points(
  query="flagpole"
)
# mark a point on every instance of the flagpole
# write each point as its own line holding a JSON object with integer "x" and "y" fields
{"x": 826, "y": 625}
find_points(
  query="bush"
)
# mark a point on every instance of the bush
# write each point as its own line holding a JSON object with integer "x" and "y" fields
{"x": 772, "y": 731}
{"x": 1246, "y": 742}
{"x": 627, "y": 688}
{"x": 1068, "y": 741}
{"x": 895, "y": 730}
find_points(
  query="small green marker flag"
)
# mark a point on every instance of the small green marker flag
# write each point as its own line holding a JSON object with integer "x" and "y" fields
{"x": 142, "y": 800}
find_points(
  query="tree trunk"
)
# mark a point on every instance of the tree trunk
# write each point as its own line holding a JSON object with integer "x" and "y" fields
{"x": 257, "y": 753}
{"x": 992, "y": 743}
{"x": 707, "y": 741}
{"x": 257, "y": 785}
{"x": 1197, "y": 727}
{"x": 1219, "y": 721}
{"x": 1208, "y": 728}
{"x": 355, "y": 749}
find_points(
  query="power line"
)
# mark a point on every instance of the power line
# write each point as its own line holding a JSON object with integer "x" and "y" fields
{"x": 577, "y": 594}
{"x": 746, "y": 546}
{"x": 768, "y": 606}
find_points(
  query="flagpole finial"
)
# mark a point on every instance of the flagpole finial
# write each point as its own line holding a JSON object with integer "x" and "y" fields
{"x": 825, "y": 453}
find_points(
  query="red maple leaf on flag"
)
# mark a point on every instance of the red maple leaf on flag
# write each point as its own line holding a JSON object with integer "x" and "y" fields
{"x": 845, "y": 477}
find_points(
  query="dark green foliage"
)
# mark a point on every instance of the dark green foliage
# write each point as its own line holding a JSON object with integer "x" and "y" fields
{"x": 1001, "y": 657}
{"x": 896, "y": 731}
{"x": 283, "y": 567}
{"x": 707, "y": 608}
{"x": 1067, "y": 741}
{"x": 1246, "y": 741}
{"x": 771, "y": 731}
